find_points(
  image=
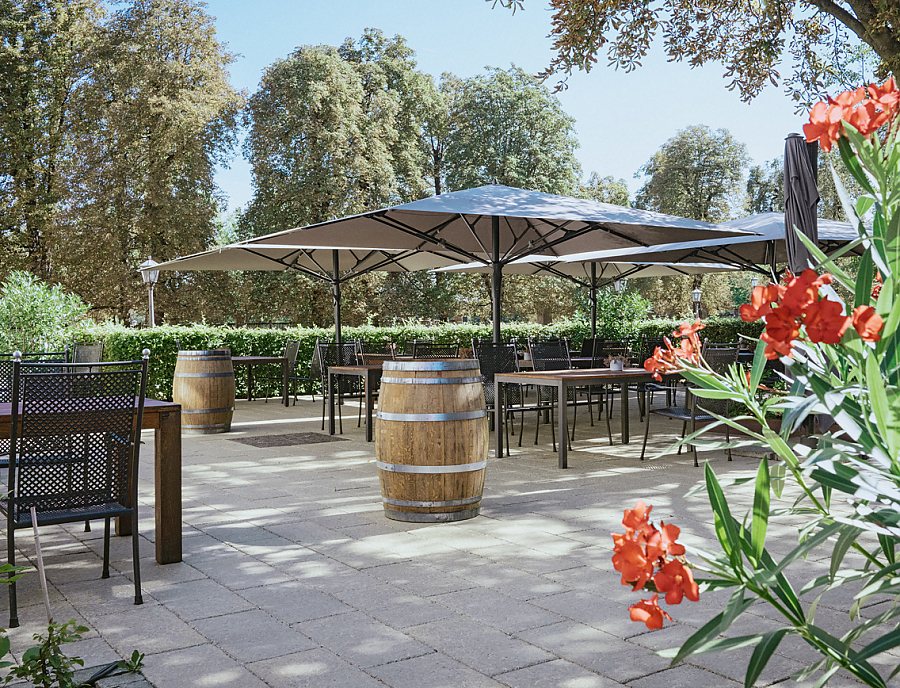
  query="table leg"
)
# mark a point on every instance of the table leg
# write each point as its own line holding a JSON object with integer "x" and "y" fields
{"x": 563, "y": 434}
{"x": 623, "y": 409}
{"x": 498, "y": 420}
{"x": 249, "y": 382}
{"x": 330, "y": 403}
{"x": 370, "y": 383}
{"x": 284, "y": 382}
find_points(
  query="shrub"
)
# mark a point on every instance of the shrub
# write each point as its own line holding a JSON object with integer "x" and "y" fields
{"x": 37, "y": 317}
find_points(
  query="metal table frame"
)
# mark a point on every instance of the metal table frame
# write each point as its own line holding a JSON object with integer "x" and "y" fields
{"x": 250, "y": 361}
{"x": 562, "y": 380}
{"x": 369, "y": 373}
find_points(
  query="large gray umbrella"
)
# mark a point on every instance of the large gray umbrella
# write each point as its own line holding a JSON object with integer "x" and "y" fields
{"x": 759, "y": 252}
{"x": 801, "y": 195}
{"x": 592, "y": 274}
{"x": 496, "y": 225}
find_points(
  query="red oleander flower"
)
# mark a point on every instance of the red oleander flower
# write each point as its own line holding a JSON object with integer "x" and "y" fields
{"x": 866, "y": 115}
{"x": 876, "y": 290}
{"x": 802, "y": 291}
{"x": 825, "y": 321}
{"x": 760, "y": 303}
{"x": 631, "y": 561}
{"x": 868, "y": 323}
{"x": 782, "y": 329}
{"x": 677, "y": 581}
{"x": 824, "y": 125}
{"x": 649, "y": 612}
{"x": 637, "y": 519}
{"x": 667, "y": 535}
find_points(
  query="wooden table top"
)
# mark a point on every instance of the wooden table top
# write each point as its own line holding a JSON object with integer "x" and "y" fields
{"x": 577, "y": 374}
{"x": 257, "y": 359}
{"x": 355, "y": 368}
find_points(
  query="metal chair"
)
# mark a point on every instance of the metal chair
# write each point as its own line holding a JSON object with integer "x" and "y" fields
{"x": 697, "y": 410}
{"x": 501, "y": 358}
{"x": 547, "y": 355}
{"x": 291, "y": 349}
{"x": 430, "y": 350}
{"x": 87, "y": 353}
{"x": 326, "y": 355}
{"x": 74, "y": 451}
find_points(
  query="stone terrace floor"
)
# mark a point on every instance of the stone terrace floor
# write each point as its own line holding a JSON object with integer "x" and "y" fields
{"x": 292, "y": 576}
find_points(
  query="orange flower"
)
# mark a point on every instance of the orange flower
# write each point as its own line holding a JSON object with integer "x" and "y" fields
{"x": 865, "y": 116}
{"x": 677, "y": 581}
{"x": 668, "y": 533}
{"x": 760, "y": 303}
{"x": 868, "y": 323}
{"x": 637, "y": 519}
{"x": 782, "y": 329}
{"x": 802, "y": 291}
{"x": 649, "y": 612}
{"x": 825, "y": 321}
{"x": 876, "y": 290}
{"x": 824, "y": 125}
{"x": 631, "y": 561}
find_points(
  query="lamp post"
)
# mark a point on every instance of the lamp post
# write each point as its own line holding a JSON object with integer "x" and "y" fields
{"x": 695, "y": 296}
{"x": 150, "y": 277}
{"x": 754, "y": 282}
{"x": 620, "y": 284}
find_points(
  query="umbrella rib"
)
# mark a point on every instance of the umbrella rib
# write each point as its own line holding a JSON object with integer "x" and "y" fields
{"x": 474, "y": 235}
{"x": 287, "y": 266}
{"x": 396, "y": 224}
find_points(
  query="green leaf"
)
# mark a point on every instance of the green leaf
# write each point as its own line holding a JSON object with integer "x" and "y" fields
{"x": 726, "y": 531}
{"x": 845, "y": 540}
{"x": 761, "y": 655}
{"x": 864, "y": 280}
{"x": 760, "y": 510}
{"x": 777, "y": 475}
{"x": 709, "y": 631}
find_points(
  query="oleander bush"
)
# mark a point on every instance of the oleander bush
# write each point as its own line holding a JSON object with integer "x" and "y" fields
{"x": 124, "y": 343}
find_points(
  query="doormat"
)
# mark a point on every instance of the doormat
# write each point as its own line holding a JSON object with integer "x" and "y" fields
{"x": 289, "y": 440}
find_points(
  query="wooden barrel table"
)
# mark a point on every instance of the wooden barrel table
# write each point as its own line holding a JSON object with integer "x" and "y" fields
{"x": 431, "y": 440}
{"x": 204, "y": 386}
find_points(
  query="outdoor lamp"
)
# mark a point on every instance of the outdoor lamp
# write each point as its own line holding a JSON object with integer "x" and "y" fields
{"x": 754, "y": 282}
{"x": 695, "y": 296}
{"x": 150, "y": 277}
{"x": 620, "y": 284}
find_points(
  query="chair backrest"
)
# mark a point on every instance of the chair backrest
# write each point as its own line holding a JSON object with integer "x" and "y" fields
{"x": 291, "y": 349}
{"x": 493, "y": 359}
{"x": 587, "y": 347}
{"x": 647, "y": 347}
{"x": 719, "y": 359}
{"x": 6, "y": 368}
{"x": 75, "y": 439}
{"x": 549, "y": 356}
{"x": 328, "y": 354}
{"x": 87, "y": 353}
{"x": 430, "y": 350}
{"x": 376, "y": 352}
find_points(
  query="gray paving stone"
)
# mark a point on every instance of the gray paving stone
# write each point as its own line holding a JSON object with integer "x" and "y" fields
{"x": 683, "y": 676}
{"x": 148, "y": 629}
{"x": 317, "y": 668}
{"x": 201, "y": 599}
{"x": 478, "y": 646}
{"x": 554, "y": 674}
{"x": 293, "y": 602}
{"x": 496, "y": 609}
{"x": 361, "y": 640}
{"x": 198, "y": 667}
{"x": 431, "y": 671}
{"x": 253, "y": 635}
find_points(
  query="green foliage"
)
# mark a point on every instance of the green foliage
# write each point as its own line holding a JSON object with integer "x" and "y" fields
{"x": 37, "y": 317}
{"x": 697, "y": 174}
{"x": 605, "y": 189}
{"x": 134, "y": 664}
{"x": 122, "y": 343}
{"x": 46, "y": 665}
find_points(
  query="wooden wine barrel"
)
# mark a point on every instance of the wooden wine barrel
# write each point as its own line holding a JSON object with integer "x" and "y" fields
{"x": 431, "y": 440}
{"x": 204, "y": 386}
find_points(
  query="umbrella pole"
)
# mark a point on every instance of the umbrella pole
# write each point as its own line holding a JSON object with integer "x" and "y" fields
{"x": 336, "y": 295}
{"x": 593, "y": 295}
{"x": 496, "y": 277}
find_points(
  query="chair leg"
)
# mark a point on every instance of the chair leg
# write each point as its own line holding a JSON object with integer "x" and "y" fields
{"x": 609, "y": 429}
{"x": 136, "y": 555}
{"x": 11, "y": 558}
{"x": 105, "y": 573}
{"x": 683, "y": 432}
{"x": 728, "y": 440}
{"x": 87, "y": 526}
{"x": 323, "y": 409}
{"x": 646, "y": 436}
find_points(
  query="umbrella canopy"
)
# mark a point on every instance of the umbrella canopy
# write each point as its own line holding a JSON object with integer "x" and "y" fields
{"x": 766, "y": 247}
{"x": 593, "y": 274}
{"x": 801, "y": 195}
{"x": 494, "y": 225}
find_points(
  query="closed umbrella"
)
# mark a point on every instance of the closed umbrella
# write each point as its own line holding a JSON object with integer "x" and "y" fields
{"x": 800, "y": 198}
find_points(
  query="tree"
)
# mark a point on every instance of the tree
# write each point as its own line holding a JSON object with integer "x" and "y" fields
{"x": 511, "y": 130}
{"x": 749, "y": 38}
{"x": 697, "y": 174}
{"x": 157, "y": 116}
{"x": 605, "y": 190}
{"x": 43, "y": 46}
{"x": 765, "y": 187}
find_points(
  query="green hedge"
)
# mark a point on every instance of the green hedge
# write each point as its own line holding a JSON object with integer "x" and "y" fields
{"x": 122, "y": 343}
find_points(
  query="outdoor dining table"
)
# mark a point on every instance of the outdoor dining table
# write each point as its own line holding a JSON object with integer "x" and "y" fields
{"x": 250, "y": 361}
{"x": 369, "y": 373}
{"x": 164, "y": 417}
{"x": 562, "y": 380}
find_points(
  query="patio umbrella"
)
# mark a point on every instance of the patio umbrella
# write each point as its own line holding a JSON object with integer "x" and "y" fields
{"x": 759, "y": 252}
{"x": 329, "y": 263}
{"x": 592, "y": 274}
{"x": 496, "y": 225}
{"x": 800, "y": 198}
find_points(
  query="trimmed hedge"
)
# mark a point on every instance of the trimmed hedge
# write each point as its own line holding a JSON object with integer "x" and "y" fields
{"x": 122, "y": 343}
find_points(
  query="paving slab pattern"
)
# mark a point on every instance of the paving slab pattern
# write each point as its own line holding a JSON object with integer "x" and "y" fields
{"x": 292, "y": 576}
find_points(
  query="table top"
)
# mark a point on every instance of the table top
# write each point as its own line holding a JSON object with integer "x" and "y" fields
{"x": 577, "y": 374}
{"x": 257, "y": 359}
{"x": 153, "y": 408}
{"x": 354, "y": 369}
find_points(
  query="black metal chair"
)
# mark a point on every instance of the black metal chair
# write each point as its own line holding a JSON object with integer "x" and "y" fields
{"x": 326, "y": 355}
{"x": 645, "y": 391}
{"x": 697, "y": 410}
{"x": 291, "y": 349}
{"x": 87, "y": 353}
{"x": 501, "y": 358}
{"x": 74, "y": 451}
{"x": 553, "y": 355}
{"x": 430, "y": 350}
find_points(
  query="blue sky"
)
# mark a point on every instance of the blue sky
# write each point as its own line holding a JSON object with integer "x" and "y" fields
{"x": 621, "y": 119}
